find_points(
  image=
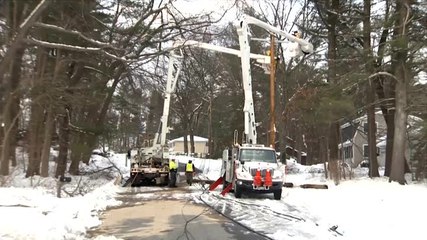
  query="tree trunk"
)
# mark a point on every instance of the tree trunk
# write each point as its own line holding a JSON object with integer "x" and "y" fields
{"x": 399, "y": 143}
{"x": 5, "y": 153}
{"x": 36, "y": 119}
{"x": 11, "y": 111}
{"x": 193, "y": 150}
{"x": 49, "y": 120}
{"x": 47, "y": 140}
{"x": 36, "y": 132}
{"x": 210, "y": 132}
{"x": 15, "y": 111}
{"x": 298, "y": 144}
{"x": 186, "y": 143}
{"x": 323, "y": 154}
{"x": 402, "y": 78}
{"x": 64, "y": 138}
{"x": 334, "y": 152}
{"x": 332, "y": 77}
{"x": 79, "y": 150}
{"x": 370, "y": 99}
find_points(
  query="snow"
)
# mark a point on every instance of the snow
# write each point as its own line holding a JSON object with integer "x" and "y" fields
{"x": 360, "y": 208}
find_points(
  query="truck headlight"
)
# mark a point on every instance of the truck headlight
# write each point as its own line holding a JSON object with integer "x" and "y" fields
{"x": 244, "y": 175}
{"x": 277, "y": 175}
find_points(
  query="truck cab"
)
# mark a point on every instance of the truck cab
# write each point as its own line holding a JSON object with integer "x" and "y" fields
{"x": 253, "y": 168}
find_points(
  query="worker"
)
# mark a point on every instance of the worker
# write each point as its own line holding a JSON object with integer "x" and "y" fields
{"x": 189, "y": 172}
{"x": 173, "y": 168}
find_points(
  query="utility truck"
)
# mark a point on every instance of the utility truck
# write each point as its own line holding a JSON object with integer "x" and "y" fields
{"x": 151, "y": 164}
{"x": 250, "y": 166}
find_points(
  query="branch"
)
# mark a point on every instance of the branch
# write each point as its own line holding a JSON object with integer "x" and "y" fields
{"x": 22, "y": 32}
{"x": 34, "y": 15}
{"x": 383, "y": 73}
{"x": 33, "y": 41}
{"x": 74, "y": 32}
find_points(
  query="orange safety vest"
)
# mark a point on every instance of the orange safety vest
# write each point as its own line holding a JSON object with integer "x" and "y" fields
{"x": 189, "y": 167}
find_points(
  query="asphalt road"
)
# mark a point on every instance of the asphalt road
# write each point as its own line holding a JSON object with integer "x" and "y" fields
{"x": 158, "y": 214}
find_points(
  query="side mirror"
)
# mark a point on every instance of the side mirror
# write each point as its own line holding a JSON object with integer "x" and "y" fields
{"x": 242, "y": 162}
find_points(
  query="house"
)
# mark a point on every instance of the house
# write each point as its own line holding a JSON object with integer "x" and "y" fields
{"x": 201, "y": 146}
{"x": 354, "y": 140}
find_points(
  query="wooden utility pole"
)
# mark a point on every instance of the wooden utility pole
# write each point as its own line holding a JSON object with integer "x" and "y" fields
{"x": 272, "y": 139}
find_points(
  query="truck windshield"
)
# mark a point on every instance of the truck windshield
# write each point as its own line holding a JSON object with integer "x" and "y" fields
{"x": 257, "y": 155}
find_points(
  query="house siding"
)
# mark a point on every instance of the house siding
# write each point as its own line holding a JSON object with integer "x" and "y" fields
{"x": 200, "y": 147}
{"x": 360, "y": 139}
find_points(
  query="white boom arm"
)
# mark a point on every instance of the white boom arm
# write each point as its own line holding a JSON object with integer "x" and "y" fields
{"x": 173, "y": 73}
{"x": 174, "y": 69}
{"x": 243, "y": 32}
{"x": 260, "y": 58}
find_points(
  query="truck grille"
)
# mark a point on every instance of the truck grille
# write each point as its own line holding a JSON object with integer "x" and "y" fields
{"x": 263, "y": 171}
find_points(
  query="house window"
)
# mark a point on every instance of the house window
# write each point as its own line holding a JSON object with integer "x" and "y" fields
{"x": 348, "y": 152}
{"x": 365, "y": 150}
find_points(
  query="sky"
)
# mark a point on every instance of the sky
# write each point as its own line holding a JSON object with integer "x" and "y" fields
{"x": 190, "y": 7}
{"x": 361, "y": 208}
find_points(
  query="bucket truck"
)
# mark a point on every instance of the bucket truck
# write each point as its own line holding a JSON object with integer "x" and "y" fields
{"x": 150, "y": 165}
{"x": 251, "y": 166}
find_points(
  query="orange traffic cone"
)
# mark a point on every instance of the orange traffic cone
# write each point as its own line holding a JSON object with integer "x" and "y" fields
{"x": 257, "y": 178}
{"x": 268, "y": 182}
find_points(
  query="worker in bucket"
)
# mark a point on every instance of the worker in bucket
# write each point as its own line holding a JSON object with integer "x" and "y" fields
{"x": 173, "y": 169}
{"x": 189, "y": 172}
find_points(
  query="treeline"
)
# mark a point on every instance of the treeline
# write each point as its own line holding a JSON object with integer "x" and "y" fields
{"x": 80, "y": 74}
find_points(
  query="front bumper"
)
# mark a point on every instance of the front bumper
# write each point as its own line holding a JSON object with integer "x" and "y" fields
{"x": 247, "y": 185}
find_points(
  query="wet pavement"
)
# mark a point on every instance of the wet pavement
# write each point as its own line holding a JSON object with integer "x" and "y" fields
{"x": 167, "y": 213}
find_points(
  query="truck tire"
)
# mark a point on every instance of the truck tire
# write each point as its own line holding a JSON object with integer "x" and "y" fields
{"x": 136, "y": 180}
{"x": 278, "y": 194}
{"x": 237, "y": 191}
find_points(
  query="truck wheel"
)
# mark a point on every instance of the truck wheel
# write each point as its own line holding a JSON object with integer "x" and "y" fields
{"x": 237, "y": 191}
{"x": 278, "y": 194}
{"x": 136, "y": 180}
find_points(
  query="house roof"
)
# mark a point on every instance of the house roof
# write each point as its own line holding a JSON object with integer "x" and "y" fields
{"x": 196, "y": 139}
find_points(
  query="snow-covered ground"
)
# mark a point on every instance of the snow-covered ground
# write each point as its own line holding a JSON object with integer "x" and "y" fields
{"x": 360, "y": 208}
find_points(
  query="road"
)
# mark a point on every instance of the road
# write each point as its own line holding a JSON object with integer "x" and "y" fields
{"x": 163, "y": 213}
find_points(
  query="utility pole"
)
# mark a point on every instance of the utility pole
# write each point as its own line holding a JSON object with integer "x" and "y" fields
{"x": 272, "y": 135}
